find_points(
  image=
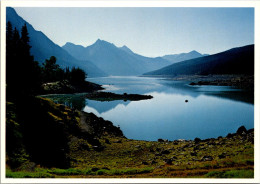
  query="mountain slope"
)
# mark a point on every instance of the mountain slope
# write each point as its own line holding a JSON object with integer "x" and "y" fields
{"x": 174, "y": 58}
{"x": 114, "y": 60}
{"x": 234, "y": 61}
{"x": 43, "y": 48}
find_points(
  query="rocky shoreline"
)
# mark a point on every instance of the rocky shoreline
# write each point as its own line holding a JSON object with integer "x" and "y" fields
{"x": 242, "y": 82}
{"x": 93, "y": 147}
{"x": 239, "y": 81}
{"x": 65, "y": 87}
{"x": 89, "y": 146}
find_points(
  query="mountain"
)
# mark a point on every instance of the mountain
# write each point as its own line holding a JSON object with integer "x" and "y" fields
{"x": 126, "y": 49}
{"x": 234, "y": 61}
{"x": 174, "y": 58}
{"x": 43, "y": 48}
{"x": 115, "y": 60}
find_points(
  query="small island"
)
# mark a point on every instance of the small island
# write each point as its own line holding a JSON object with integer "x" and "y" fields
{"x": 108, "y": 96}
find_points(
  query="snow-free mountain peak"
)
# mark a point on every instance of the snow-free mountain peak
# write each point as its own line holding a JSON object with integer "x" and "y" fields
{"x": 194, "y": 52}
{"x": 116, "y": 60}
{"x": 103, "y": 43}
{"x": 238, "y": 60}
{"x": 174, "y": 58}
{"x": 126, "y": 49}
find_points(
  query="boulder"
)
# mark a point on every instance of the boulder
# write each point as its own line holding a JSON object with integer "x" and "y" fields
{"x": 250, "y": 130}
{"x": 118, "y": 141}
{"x": 197, "y": 140}
{"x": 230, "y": 135}
{"x": 162, "y": 140}
{"x": 241, "y": 130}
{"x": 207, "y": 158}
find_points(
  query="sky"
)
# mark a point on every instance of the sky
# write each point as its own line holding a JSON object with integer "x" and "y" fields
{"x": 147, "y": 31}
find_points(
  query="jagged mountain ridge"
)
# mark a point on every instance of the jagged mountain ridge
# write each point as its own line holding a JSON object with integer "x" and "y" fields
{"x": 43, "y": 48}
{"x": 115, "y": 60}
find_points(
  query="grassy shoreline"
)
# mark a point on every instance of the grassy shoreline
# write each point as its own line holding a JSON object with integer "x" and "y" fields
{"x": 95, "y": 148}
{"x": 100, "y": 150}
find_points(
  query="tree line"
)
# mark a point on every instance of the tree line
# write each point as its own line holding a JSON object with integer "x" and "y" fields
{"x": 24, "y": 75}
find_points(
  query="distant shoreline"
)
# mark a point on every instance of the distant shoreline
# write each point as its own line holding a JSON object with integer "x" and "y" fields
{"x": 239, "y": 81}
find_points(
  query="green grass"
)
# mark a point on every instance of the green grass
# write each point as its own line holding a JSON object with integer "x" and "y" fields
{"x": 129, "y": 171}
{"x": 70, "y": 171}
{"x": 231, "y": 174}
{"x": 51, "y": 173}
{"x": 26, "y": 174}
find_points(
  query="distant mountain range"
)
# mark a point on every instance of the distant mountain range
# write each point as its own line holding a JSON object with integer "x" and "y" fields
{"x": 103, "y": 58}
{"x": 115, "y": 60}
{"x": 234, "y": 61}
{"x": 43, "y": 48}
{"x": 174, "y": 58}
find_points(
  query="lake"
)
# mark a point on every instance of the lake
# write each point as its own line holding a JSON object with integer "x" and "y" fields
{"x": 211, "y": 111}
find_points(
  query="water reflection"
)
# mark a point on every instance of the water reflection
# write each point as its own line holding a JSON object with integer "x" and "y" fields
{"x": 211, "y": 111}
{"x": 102, "y": 107}
{"x": 228, "y": 92}
{"x": 168, "y": 116}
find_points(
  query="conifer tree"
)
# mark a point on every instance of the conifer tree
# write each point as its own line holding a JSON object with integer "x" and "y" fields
{"x": 23, "y": 73}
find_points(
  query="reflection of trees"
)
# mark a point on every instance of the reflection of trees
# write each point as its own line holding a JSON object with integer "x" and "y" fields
{"x": 73, "y": 101}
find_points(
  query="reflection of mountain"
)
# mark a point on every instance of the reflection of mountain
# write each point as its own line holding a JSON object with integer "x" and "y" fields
{"x": 241, "y": 96}
{"x": 216, "y": 91}
{"x": 140, "y": 85}
{"x": 102, "y": 107}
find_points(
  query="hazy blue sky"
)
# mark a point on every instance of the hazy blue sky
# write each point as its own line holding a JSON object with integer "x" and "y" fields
{"x": 147, "y": 31}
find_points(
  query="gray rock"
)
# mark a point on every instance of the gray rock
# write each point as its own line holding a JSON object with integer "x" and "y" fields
{"x": 207, "y": 158}
{"x": 241, "y": 130}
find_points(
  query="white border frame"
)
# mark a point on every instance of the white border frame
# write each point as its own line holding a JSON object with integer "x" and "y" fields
{"x": 134, "y": 3}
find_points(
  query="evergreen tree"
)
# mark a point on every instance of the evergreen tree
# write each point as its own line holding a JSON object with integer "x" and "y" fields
{"x": 9, "y": 36}
{"x": 9, "y": 50}
{"x": 77, "y": 76}
{"x": 51, "y": 70}
{"x": 23, "y": 73}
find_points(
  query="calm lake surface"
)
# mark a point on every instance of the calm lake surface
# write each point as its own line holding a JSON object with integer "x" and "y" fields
{"x": 211, "y": 111}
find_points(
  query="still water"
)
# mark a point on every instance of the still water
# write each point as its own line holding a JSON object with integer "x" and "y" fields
{"x": 211, "y": 111}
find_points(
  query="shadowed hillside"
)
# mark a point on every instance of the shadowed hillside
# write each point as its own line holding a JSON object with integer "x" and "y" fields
{"x": 234, "y": 61}
{"x": 47, "y": 48}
